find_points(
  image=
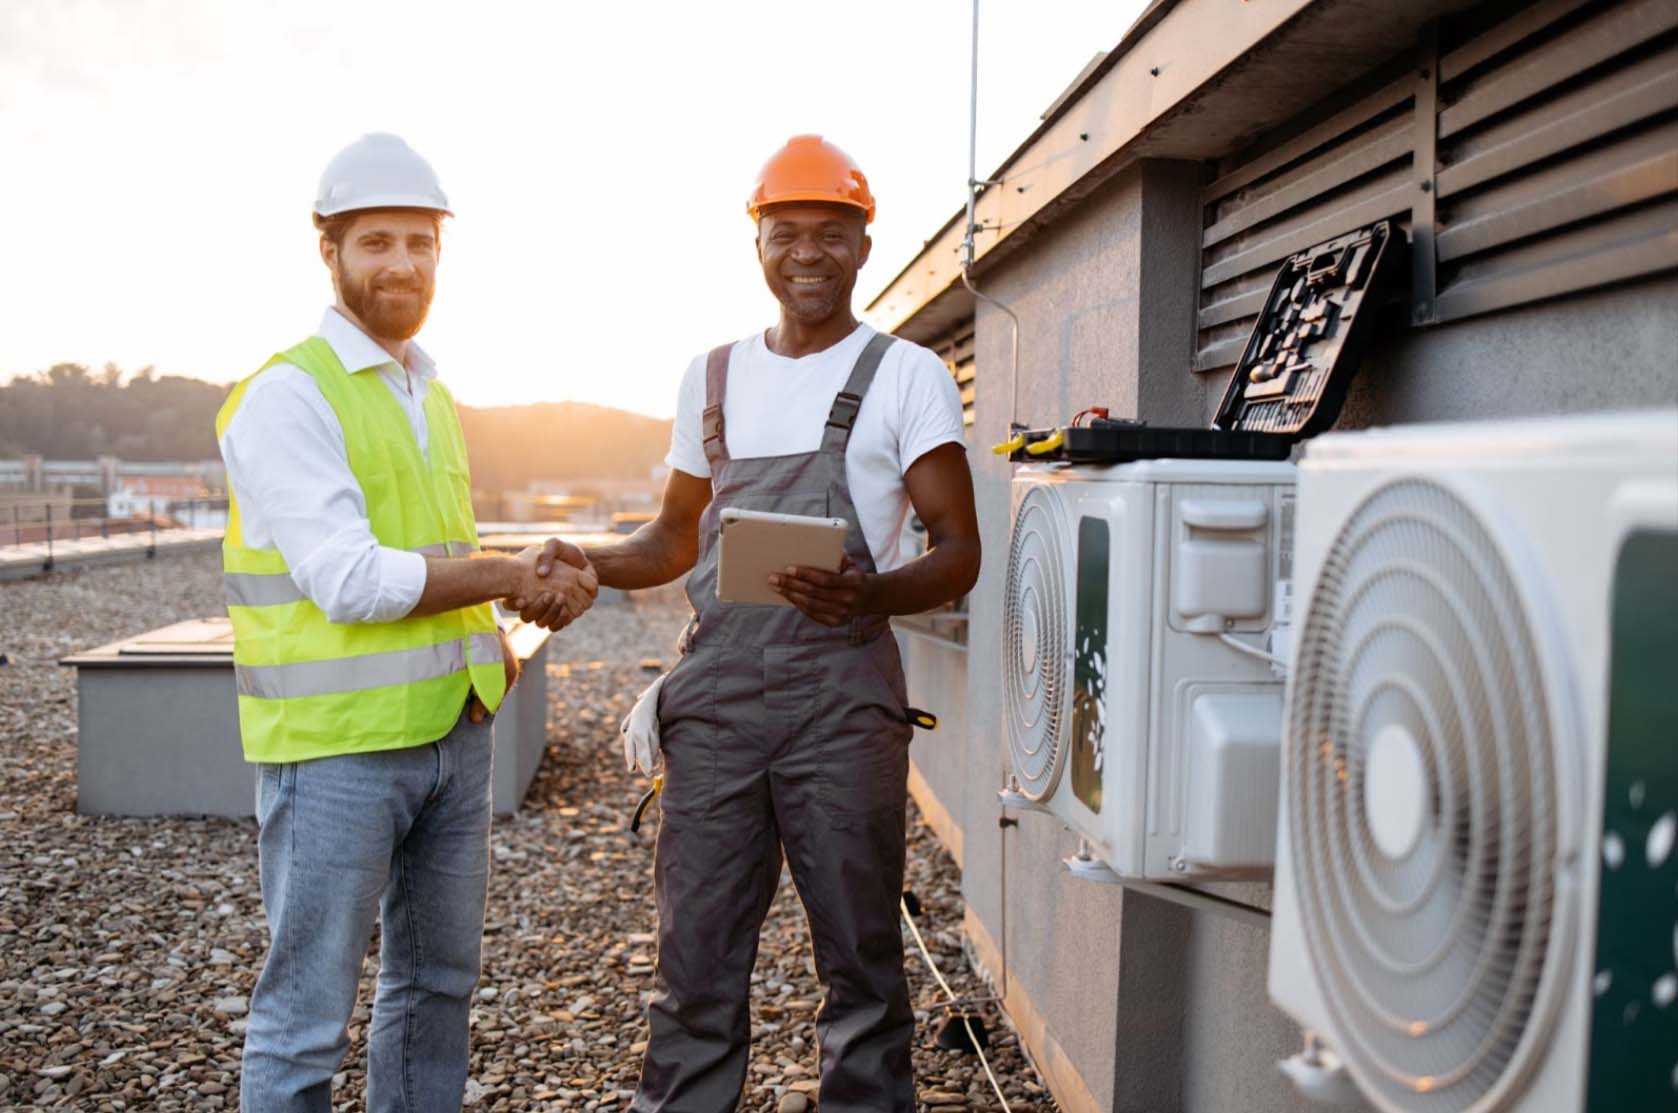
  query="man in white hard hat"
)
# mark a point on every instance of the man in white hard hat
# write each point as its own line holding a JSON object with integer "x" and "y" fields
{"x": 368, "y": 660}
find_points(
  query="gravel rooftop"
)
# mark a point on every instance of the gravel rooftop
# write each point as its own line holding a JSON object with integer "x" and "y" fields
{"x": 128, "y": 947}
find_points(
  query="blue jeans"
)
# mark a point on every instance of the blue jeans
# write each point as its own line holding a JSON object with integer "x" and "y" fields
{"x": 402, "y": 835}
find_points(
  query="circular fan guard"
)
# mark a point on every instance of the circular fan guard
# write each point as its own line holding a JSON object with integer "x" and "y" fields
{"x": 1036, "y": 636}
{"x": 1429, "y": 900}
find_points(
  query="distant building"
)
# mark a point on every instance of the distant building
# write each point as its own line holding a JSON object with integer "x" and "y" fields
{"x": 181, "y": 498}
{"x": 534, "y": 506}
{"x": 33, "y": 474}
{"x": 587, "y": 502}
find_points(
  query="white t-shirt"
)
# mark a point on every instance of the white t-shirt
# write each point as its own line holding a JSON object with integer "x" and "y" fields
{"x": 777, "y": 406}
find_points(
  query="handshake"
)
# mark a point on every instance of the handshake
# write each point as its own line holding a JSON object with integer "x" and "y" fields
{"x": 555, "y": 584}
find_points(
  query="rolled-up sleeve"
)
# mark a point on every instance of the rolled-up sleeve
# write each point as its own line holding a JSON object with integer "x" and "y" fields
{"x": 290, "y": 472}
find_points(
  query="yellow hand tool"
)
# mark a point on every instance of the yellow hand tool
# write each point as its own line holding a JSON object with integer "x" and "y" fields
{"x": 1048, "y": 444}
{"x": 1010, "y": 446}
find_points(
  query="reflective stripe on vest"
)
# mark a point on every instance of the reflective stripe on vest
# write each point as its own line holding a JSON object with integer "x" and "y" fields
{"x": 272, "y": 589}
{"x": 370, "y": 670}
{"x": 255, "y": 589}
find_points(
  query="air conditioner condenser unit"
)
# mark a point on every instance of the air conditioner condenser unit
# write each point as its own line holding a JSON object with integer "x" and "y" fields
{"x": 1141, "y": 600}
{"x": 1476, "y": 902}
{"x": 1148, "y": 588}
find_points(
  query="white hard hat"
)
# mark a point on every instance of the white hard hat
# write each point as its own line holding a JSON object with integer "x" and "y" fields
{"x": 379, "y": 171}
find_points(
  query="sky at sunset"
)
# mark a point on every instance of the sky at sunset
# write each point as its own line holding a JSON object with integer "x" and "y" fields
{"x": 158, "y": 159}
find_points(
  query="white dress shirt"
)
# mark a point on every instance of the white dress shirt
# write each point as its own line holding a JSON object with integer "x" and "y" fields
{"x": 288, "y": 467}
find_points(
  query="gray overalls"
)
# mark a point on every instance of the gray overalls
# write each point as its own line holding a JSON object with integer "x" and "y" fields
{"x": 779, "y": 732}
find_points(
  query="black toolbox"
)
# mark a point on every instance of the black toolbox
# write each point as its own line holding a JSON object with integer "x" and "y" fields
{"x": 1292, "y": 376}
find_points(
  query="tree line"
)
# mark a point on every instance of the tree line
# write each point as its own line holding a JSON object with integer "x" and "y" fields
{"x": 69, "y": 412}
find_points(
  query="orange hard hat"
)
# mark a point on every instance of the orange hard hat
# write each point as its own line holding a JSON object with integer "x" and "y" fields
{"x": 809, "y": 168}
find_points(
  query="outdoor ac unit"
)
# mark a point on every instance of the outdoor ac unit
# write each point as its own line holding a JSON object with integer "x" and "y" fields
{"x": 1481, "y": 715}
{"x": 1141, "y": 600}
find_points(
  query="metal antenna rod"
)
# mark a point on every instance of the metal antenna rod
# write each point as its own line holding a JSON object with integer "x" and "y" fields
{"x": 972, "y": 146}
{"x": 968, "y": 248}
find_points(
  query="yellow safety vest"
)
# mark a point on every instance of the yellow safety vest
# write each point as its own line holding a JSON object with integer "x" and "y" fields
{"x": 313, "y": 688}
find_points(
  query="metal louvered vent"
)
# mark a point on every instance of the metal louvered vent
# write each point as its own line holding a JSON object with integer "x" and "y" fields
{"x": 1528, "y": 149}
{"x": 1352, "y": 168}
{"x": 956, "y": 349}
{"x": 1421, "y": 766}
{"x": 1557, "y": 163}
{"x": 1037, "y": 642}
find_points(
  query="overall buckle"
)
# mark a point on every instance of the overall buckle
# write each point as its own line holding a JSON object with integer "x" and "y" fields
{"x": 844, "y": 411}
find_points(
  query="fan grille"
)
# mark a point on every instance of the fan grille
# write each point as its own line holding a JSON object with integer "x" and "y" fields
{"x": 1428, "y": 892}
{"x": 1036, "y": 639}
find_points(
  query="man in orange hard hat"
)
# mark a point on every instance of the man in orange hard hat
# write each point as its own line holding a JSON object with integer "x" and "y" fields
{"x": 785, "y": 728}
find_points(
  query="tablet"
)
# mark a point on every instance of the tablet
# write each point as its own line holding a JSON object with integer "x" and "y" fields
{"x": 756, "y": 544}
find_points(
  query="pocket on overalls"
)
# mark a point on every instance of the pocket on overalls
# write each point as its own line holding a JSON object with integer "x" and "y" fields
{"x": 891, "y": 692}
{"x": 687, "y": 730}
{"x": 866, "y": 748}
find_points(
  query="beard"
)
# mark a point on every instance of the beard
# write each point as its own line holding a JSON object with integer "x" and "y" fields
{"x": 389, "y": 310}
{"x": 814, "y": 308}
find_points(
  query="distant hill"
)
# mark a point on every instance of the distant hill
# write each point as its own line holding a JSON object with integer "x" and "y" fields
{"x": 511, "y": 445}
{"x": 71, "y": 413}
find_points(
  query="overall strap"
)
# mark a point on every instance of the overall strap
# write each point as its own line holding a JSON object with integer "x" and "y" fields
{"x": 716, "y": 388}
{"x": 848, "y": 402}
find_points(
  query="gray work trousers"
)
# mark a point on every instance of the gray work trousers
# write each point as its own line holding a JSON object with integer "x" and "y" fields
{"x": 801, "y": 747}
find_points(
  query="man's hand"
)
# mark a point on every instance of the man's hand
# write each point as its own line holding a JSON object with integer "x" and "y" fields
{"x": 556, "y": 587}
{"x": 552, "y": 598}
{"x": 553, "y": 550}
{"x": 558, "y": 549}
{"x": 510, "y": 668}
{"x": 831, "y": 598}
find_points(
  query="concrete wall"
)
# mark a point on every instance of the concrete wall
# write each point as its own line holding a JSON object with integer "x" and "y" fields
{"x": 1132, "y": 1003}
{"x": 1076, "y": 293}
{"x": 937, "y": 678}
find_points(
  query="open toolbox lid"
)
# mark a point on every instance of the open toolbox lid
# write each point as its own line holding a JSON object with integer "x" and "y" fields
{"x": 1291, "y": 379}
{"x": 1310, "y": 336}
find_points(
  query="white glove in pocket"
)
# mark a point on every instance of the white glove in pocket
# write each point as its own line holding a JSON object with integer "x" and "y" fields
{"x": 640, "y": 730}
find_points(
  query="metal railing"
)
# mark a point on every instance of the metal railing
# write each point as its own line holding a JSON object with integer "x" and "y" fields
{"x": 48, "y": 521}
{"x": 946, "y": 624}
